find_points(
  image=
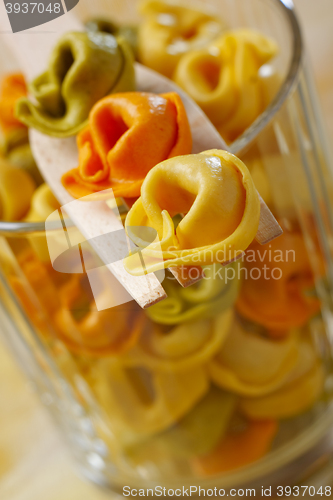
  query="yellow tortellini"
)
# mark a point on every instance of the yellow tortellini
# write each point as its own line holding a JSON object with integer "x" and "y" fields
{"x": 260, "y": 179}
{"x": 252, "y": 365}
{"x": 83, "y": 68}
{"x": 169, "y": 30}
{"x": 195, "y": 434}
{"x": 215, "y": 191}
{"x": 189, "y": 326}
{"x": 16, "y": 190}
{"x": 276, "y": 378}
{"x": 143, "y": 402}
{"x": 225, "y": 80}
{"x": 15, "y": 148}
{"x": 302, "y": 389}
{"x": 43, "y": 204}
{"x": 21, "y": 157}
{"x": 182, "y": 348}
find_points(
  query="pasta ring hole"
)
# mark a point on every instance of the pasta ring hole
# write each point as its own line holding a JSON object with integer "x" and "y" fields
{"x": 180, "y": 201}
{"x": 210, "y": 70}
{"x": 67, "y": 60}
{"x": 192, "y": 32}
{"x": 111, "y": 127}
{"x": 142, "y": 383}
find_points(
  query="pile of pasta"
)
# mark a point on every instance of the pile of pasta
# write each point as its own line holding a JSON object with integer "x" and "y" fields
{"x": 207, "y": 374}
{"x": 218, "y": 67}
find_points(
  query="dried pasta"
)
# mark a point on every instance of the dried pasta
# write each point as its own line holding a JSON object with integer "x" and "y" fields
{"x": 285, "y": 300}
{"x": 224, "y": 79}
{"x": 83, "y": 68}
{"x": 175, "y": 30}
{"x": 129, "y": 32}
{"x": 13, "y": 87}
{"x": 128, "y": 134}
{"x": 143, "y": 402}
{"x": 215, "y": 191}
{"x": 212, "y": 295}
{"x": 16, "y": 191}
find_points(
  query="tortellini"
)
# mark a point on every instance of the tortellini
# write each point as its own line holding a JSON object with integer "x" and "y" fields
{"x": 83, "y": 68}
{"x": 284, "y": 296}
{"x": 303, "y": 388}
{"x": 13, "y": 87}
{"x": 251, "y": 365}
{"x": 289, "y": 401}
{"x": 238, "y": 448}
{"x": 84, "y": 329}
{"x": 143, "y": 402}
{"x": 170, "y": 30}
{"x": 16, "y": 191}
{"x": 129, "y": 32}
{"x": 276, "y": 378}
{"x": 224, "y": 79}
{"x": 192, "y": 436}
{"x": 189, "y": 326}
{"x": 128, "y": 134}
{"x": 217, "y": 195}
{"x": 43, "y": 204}
{"x": 21, "y": 157}
{"x": 15, "y": 141}
{"x": 216, "y": 292}
{"x": 184, "y": 347}
{"x": 36, "y": 291}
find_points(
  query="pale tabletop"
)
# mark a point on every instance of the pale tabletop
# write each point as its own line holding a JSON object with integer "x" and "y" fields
{"x": 34, "y": 461}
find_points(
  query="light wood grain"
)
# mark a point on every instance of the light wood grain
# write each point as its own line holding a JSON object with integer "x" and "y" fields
{"x": 34, "y": 461}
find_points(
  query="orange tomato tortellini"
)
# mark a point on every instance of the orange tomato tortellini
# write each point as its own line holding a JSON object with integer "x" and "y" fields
{"x": 283, "y": 296}
{"x": 13, "y": 87}
{"x": 128, "y": 134}
{"x": 225, "y": 81}
{"x": 215, "y": 191}
{"x": 238, "y": 449}
{"x": 169, "y": 30}
{"x": 85, "y": 330}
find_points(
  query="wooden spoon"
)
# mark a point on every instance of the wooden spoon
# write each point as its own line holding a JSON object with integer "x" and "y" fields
{"x": 57, "y": 156}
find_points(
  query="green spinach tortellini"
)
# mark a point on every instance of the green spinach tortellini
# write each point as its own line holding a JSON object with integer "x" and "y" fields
{"x": 130, "y": 33}
{"x": 216, "y": 293}
{"x": 83, "y": 68}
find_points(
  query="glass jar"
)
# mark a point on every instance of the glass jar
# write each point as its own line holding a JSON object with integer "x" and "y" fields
{"x": 225, "y": 385}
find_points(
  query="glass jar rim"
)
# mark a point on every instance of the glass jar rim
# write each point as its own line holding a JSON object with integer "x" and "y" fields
{"x": 240, "y": 144}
